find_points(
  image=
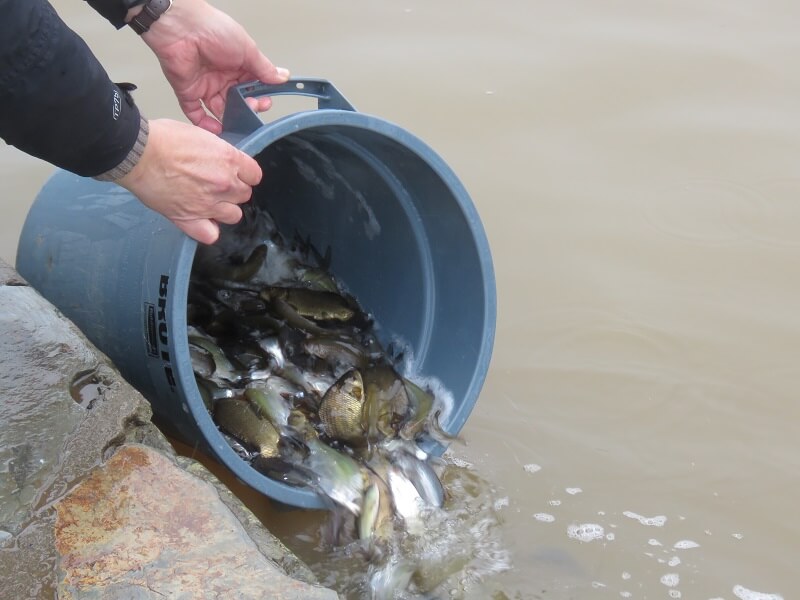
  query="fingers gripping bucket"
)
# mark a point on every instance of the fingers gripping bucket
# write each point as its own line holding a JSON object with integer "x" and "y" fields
{"x": 404, "y": 236}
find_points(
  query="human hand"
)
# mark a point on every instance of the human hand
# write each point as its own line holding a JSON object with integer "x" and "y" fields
{"x": 203, "y": 52}
{"x": 193, "y": 178}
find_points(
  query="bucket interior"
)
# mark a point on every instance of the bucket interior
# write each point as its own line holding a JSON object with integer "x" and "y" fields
{"x": 393, "y": 220}
{"x": 400, "y": 240}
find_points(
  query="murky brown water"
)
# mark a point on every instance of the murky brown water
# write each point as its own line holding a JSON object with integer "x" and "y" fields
{"x": 635, "y": 165}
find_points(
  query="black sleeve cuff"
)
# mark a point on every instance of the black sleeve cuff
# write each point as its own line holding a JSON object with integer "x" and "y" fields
{"x": 114, "y": 10}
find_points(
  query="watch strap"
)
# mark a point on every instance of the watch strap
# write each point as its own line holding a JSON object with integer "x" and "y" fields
{"x": 152, "y": 10}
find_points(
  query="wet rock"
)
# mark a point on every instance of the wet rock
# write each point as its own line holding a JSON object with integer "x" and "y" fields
{"x": 69, "y": 423}
{"x": 268, "y": 544}
{"x": 161, "y": 531}
{"x": 9, "y": 276}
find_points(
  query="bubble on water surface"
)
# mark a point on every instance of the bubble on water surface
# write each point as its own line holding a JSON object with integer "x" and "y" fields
{"x": 626, "y": 575}
{"x": 532, "y": 468}
{"x": 685, "y": 545}
{"x": 653, "y": 542}
{"x": 544, "y": 517}
{"x": 742, "y": 592}
{"x": 670, "y": 579}
{"x": 674, "y": 594}
{"x": 657, "y": 521}
{"x": 554, "y": 502}
{"x": 458, "y": 462}
{"x": 674, "y": 561}
{"x": 585, "y": 532}
{"x": 738, "y": 536}
{"x": 501, "y": 503}
{"x": 573, "y": 490}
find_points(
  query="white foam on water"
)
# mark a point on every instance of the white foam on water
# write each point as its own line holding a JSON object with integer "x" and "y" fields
{"x": 625, "y": 594}
{"x": 670, "y": 579}
{"x": 554, "y": 502}
{"x": 573, "y": 490}
{"x": 685, "y": 545}
{"x": 501, "y": 503}
{"x": 674, "y": 594}
{"x": 657, "y": 521}
{"x": 674, "y": 561}
{"x": 626, "y": 575}
{"x": 742, "y": 592}
{"x": 610, "y": 537}
{"x": 532, "y": 468}
{"x": 443, "y": 397}
{"x": 654, "y": 542}
{"x": 738, "y": 536}
{"x": 544, "y": 517}
{"x": 457, "y": 461}
{"x": 585, "y": 532}
{"x": 598, "y": 585}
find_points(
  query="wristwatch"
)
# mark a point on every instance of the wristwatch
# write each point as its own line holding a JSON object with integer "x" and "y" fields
{"x": 153, "y": 9}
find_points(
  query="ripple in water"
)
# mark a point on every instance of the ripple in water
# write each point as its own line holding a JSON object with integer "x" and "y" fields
{"x": 704, "y": 211}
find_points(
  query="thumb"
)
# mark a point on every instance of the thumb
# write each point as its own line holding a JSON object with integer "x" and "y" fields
{"x": 204, "y": 231}
{"x": 263, "y": 69}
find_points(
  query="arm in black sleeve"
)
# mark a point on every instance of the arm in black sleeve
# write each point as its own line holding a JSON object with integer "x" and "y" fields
{"x": 56, "y": 100}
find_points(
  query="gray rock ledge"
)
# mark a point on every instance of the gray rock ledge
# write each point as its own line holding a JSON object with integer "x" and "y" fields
{"x": 93, "y": 499}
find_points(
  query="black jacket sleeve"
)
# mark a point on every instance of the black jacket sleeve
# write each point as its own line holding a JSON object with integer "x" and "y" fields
{"x": 114, "y": 10}
{"x": 56, "y": 100}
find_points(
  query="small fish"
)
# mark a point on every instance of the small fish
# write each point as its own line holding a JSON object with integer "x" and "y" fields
{"x": 407, "y": 501}
{"x": 375, "y": 523}
{"x": 272, "y": 349}
{"x": 269, "y": 402}
{"x": 315, "y": 279}
{"x": 422, "y": 476}
{"x": 242, "y": 272}
{"x": 318, "y": 305}
{"x": 338, "y": 476}
{"x": 224, "y": 369}
{"x": 341, "y": 409}
{"x": 296, "y": 320}
{"x": 386, "y": 402}
{"x": 340, "y": 352}
{"x": 202, "y": 363}
{"x": 238, "y": 418}
{"x": 215, "y": 391}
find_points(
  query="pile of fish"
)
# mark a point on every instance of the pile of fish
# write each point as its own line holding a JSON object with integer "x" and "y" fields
{"x": 293, "y": 375}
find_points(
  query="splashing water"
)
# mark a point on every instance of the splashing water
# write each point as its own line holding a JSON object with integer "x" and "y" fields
{"x": 458, "y": 549}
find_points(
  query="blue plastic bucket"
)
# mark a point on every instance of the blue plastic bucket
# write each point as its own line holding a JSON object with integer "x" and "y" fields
{"x": 405, "y": 239}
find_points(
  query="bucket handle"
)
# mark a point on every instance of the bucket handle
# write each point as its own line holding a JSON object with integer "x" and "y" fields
{"x": 240, "y": 120}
